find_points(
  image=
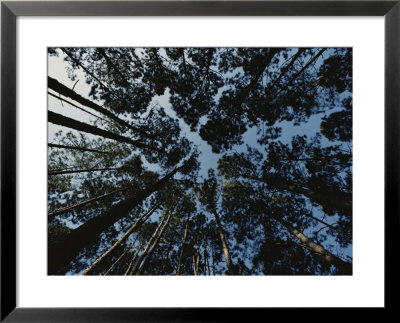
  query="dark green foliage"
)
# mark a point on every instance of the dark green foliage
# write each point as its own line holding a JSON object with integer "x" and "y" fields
{"x": 337, "y": 70}
{"x": 338, "y": 125}
{"x": 57, "y": 231}
{"x": 280, "y": 257}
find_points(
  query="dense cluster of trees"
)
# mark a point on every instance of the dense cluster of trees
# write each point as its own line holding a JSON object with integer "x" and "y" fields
{"x": 126, "y": 195}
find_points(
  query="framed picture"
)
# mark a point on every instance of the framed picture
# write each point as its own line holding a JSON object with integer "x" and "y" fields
{"x": 197, "y": 153}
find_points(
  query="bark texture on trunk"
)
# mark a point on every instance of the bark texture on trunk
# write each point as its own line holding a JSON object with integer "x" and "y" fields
{"x": 116, "y": 261}
{"x": 287, "y": 67}
{"x": 65, "y": 91}
{"x": 113, "y": 66}
{"x": 212, "y": 259}
{"x": 178, "y": 268}
{"x": 84, "y": 127}
{"x": 94, "y": 199}
{"x": 143, "y": 218}
{"x": 64, "y": 251}
{"x": 196, "y": 259}
{"x": 329, "y": 225}
{"x": 77, "y": 148}
{"x": 74, "y": 171}
{"x": 342, "y": 200}
{"x": 245, "y": 91}
{"x": 154, "y": 246}
{"x": 135, "y": 268}
{"x": 225, "y": 248}
{"x": 306, "y": 66}
{"x": 325, "y": 256}
{"x": 76, "y": 61}
{"x": 134, "y": 257}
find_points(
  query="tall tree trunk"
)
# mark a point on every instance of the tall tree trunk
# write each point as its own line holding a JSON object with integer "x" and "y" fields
{"x": 287, "y": 67}
{"x": 73, "y": 171}
{"x": 84, "y": 127}
{"x": 65, "y": 91}
{"x": 134, "y": 257}
{"x": 312, "y": 60}
{"x": 115, "y": 96}
{"x": 344, "y": 202}
{"x": 164, "y": 261}
{"x": 225, "y": 248}
{"x": 93, "y": 199}
{"x": 116, "y": 261}
{"x": 245, "y": 91}
{"x": 213, "y": 259}
{"x": 153, "y": 247}
{"x": 178, "y": 268}
{"x": 77, "y": 148}
{"x": 204, "y": 262}
{"x": 194, "y": 265}
{"x": 63, "y": 252}
{"x": 76, "y": 61}
{"x": 83, "y": 109}
{"x": 206, "y": 259}
{"x": 197, "y": 262}
{"x": 113, "y": 66}
{"x": 328, "y": 225}
{"x": 148, "y": 245}
{"x": 325, "y": 256}
{"x": 143, "y": 218}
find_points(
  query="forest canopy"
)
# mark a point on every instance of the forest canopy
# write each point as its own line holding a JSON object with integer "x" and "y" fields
{"x": 200, "y": 161}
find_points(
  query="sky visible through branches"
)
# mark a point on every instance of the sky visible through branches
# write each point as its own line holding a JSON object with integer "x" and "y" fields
{"x": 259, "y": 196}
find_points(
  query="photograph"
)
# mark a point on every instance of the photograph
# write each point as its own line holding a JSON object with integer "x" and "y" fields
{"x": 199, "y": 161}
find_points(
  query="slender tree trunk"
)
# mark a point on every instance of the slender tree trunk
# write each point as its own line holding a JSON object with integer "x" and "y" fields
{"x": 82, "y": 109}
{"x": 73, "y": 171}
{"x": 76, "y": 61}
{"x": 325, "y": 255}
{"x": 148, "y": 245}
{"x": 164, "y": 261}
{"x": 206, "y": 259}
{"x": 286, "y": 68}
{"x": 63, "y": 252}
{"x": 225, "y": 248}
{"x": 134, "y": 257}
{"x": 143, "y": 218}
{"x": 148, "y": 256}
{"x": 194, "y": 265}
{"x": 245, "y": 92}
{"x": 178, "y": 268}
{"x": 209, "y": 59}
{"x": 94, "y": 199}
{"x": 204, "y": 262}
{"x": 213, "y": 259}
{"x": 84, "y": 127}
{"x": 114, "y": 67}
{"x": 102, "y": 85}
{"x": 65, "y": 91}
{"x": 77, "y": 148}
{"x": 345, "y": 202}
{"x": 328, "y": 225}
{"x": 197, "y": 257}
{"x": 144, "y": 133}
{"x": 116, "y": 261}
{"x": 312, "y": 60}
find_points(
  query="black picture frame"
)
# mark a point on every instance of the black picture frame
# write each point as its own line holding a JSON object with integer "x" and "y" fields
{"x": 10, "y": 10}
